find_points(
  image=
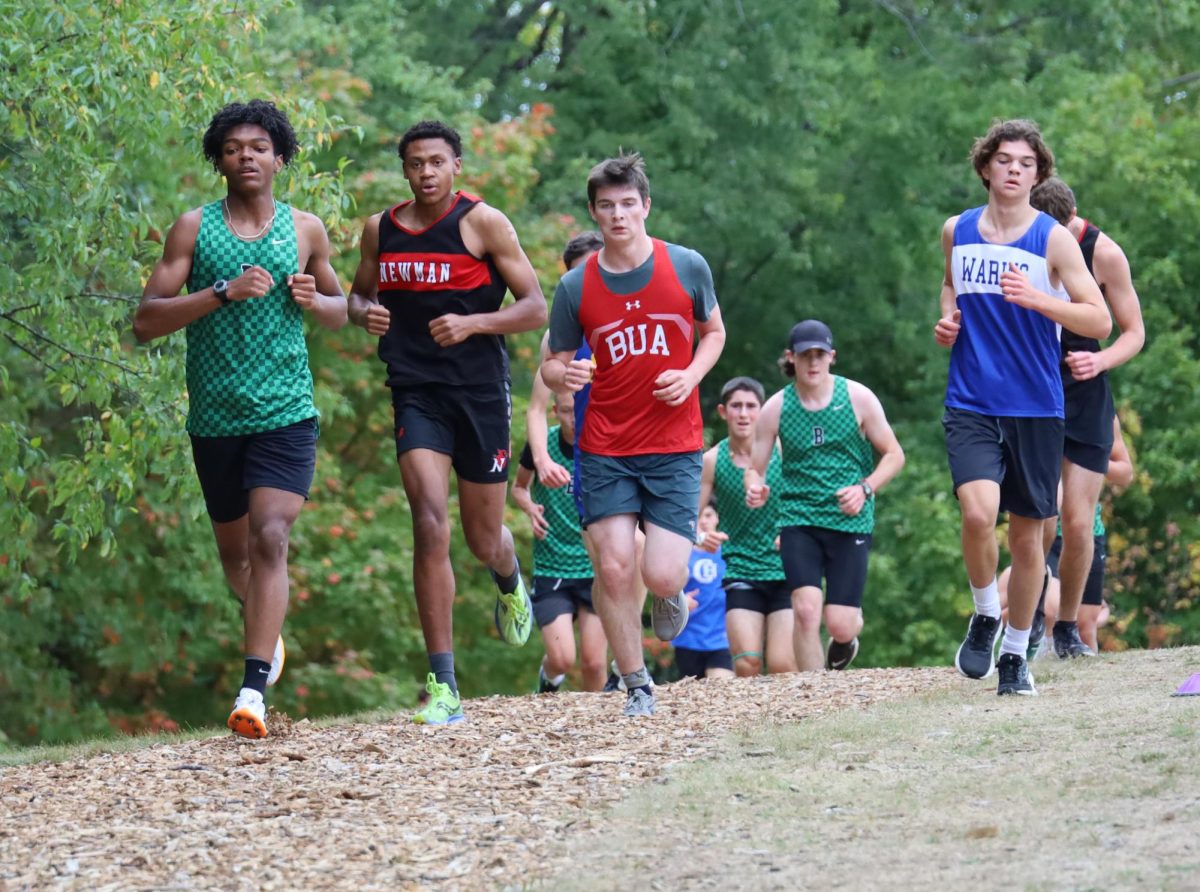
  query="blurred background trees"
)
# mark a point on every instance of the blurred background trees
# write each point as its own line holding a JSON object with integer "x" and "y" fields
{"x": 809, "y": 151}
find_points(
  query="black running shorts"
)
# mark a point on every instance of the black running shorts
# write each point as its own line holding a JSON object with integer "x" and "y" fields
{"x": 554, "y": 596}
{"x": 1093, "y": 589}
{"x": 693, "y": 663}
{"x": 1088, "y": 437}
{"x": 1022, "y": 455}
{"x": 469, "y": 424}
{"x": 761, "y": 596}
{"x": 811, "y": 554}
{"x": 229, "y": 467}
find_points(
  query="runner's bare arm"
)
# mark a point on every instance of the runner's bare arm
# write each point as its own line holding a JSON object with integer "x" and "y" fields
{"x": 1086, "y": 314}
{"x": 550, "y": 472}
{"x": 945, "y": 330}
{"x": 162, "y": 310}
{"x": 880, "y": 435}
{"x": 494, "y": 234}
{"x": 1112, "y": 272}
{"x": 674, "y": 386}
{"x": 766, "y": 430}
{"x": 317, "y": 289}
{"x": 364, "y": 309}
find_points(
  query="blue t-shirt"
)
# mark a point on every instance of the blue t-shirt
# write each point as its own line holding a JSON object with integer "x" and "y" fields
{"x": 706, "y": 623}
{"x": 1005, "y": 361}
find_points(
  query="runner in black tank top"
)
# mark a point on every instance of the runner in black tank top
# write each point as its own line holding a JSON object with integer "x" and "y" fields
{"x": 1089, "y": 407}
{"x": 430, "y": 283}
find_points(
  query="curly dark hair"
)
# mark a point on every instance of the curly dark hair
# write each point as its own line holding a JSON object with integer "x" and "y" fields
{"x": 256, "y": 111}
{"x": 431, "y": 130}
{"x": 1012, "y": 131}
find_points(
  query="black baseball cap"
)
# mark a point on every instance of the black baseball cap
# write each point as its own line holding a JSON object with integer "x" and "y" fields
{"x": 810, "y": 334}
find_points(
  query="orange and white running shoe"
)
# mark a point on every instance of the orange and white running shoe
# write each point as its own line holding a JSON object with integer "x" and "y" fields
{"x": 249, "y": 714}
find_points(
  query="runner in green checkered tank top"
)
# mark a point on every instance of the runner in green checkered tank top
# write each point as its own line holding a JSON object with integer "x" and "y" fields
{"x": 252, "y": 268}
{"x": 750, "y": 552}
{"x": 561, "y": 552}
{"x": 247, "y": 362}
{"x": 823, "y": 451}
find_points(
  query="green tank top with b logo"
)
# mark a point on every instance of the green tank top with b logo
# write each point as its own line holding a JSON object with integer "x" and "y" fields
{"x": 750, "y": 552}
{"x": 822, "y": 452}
{"x": 247, "y": 362}
{"x": 562, "y": 553}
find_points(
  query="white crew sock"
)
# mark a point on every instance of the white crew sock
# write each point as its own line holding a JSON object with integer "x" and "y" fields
{"x": 987, "y": 600}
{"x": 1016, "y": 641}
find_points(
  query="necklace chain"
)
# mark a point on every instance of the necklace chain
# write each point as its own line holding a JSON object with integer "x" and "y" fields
{"x": 246, "y": 238}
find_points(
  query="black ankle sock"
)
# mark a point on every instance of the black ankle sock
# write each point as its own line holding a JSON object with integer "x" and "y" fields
{"x": 442, "y": 665}
{"x": 508, "y": 584}
{"x": 1065, "y": 625}
{"x": 256, "y": 674}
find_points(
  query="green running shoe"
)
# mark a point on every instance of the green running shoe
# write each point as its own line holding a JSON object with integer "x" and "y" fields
{"x": 514, "y": 613}
{"x": 443, "y": 708}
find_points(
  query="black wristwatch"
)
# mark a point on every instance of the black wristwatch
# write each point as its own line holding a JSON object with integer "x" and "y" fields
{"x": 221, "y": 290}
{"x": 867, "y": 491}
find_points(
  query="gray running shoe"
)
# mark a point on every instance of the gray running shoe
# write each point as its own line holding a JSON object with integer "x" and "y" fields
{"x": 639, "y": 704}
{"x": 669, "y": 616}
{"x": 1067, "y": 643}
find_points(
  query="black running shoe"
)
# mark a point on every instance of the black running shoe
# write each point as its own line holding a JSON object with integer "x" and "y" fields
{"x": 614, "y": 682}
{"x": 1038, "y": 631}
{"x": 1067, "y": 642}
{"x": 545, "y": 685}
{"x": 839, "y": 655}
{"x": 1015, "y": 677}
{"x": 976, "y": 657}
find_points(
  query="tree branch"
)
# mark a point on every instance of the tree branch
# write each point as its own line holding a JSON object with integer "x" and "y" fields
{"x": 38, "y": 359}
{"x": 67, "y": 350}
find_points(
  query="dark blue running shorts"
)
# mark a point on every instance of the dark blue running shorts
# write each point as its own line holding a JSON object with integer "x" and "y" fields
{"x": 229, "y": 467}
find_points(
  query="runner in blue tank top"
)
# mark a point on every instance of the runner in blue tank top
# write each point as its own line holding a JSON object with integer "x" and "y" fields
{"x": 1012, "y": 277}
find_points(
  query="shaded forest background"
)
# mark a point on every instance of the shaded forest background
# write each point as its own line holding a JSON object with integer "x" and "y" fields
{"x": 809, "y": 150}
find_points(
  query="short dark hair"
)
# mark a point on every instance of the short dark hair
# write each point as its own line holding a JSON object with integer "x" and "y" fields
{"x": 431, "y": 130}
{"x": 579, "y": 245}
{"x": 1015, "y": 130}
{"x": 627, "y": 169}
{"x": 742, "y": 382}
{"x": 256, "y": 111}
{"x": 1055, "y": 198}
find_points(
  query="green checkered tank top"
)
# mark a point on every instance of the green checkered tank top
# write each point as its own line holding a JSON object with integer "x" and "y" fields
{"x": 562, "y": 553}
{"x": 247, "y": 363}
{"x": 822, "y": 452}
{"x": 750, "y": 552}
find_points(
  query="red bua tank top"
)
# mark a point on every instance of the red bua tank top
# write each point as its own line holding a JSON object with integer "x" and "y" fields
{"x": 635, "y": 338}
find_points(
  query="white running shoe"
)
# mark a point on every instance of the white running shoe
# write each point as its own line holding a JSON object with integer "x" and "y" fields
{"x": 277, "y": 660}
{"x": 249, "y": 716}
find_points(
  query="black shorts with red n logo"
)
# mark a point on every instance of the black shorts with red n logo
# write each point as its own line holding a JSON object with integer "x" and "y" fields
{"x": 469, "y": 423}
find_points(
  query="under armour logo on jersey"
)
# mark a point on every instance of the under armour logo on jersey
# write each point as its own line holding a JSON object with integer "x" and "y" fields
{"x": 633, "y": 304}
{"x": 499, "y": 461}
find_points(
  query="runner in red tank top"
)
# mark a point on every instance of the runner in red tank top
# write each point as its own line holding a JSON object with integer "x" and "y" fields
{"x": 638, "y": 303}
